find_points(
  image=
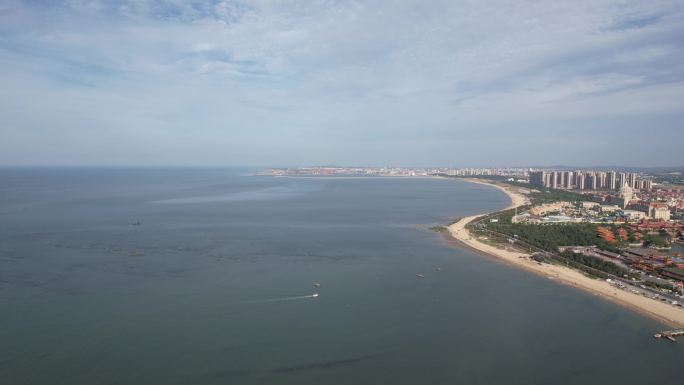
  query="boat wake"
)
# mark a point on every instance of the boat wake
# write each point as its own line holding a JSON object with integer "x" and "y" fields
{"x": 283, "y": 299}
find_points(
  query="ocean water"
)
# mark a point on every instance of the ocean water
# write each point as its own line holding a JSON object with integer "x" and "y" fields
{"x": 215, "y": 286}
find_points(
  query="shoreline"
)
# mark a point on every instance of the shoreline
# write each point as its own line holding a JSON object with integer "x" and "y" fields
{"x": 346, "y": 177}
{"x": 460, "y": 235}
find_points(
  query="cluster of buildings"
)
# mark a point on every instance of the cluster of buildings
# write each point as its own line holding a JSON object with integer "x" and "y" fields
{"x": 674, "y": 197}
{"x": 549, "y": 208}
{"x": 637, "y": 206}
{"x": 594, "y": 212}
{"x": 648, "y": 261}
{"x": 655, "y": 262}
{"x": 588, "y": 180}
{"x": 401, "y": 171}
{"x": 358, "y": 171}
{"x": 468, "y": 171}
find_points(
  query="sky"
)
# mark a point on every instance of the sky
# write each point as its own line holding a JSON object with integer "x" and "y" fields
{"x": 384, "y": 83}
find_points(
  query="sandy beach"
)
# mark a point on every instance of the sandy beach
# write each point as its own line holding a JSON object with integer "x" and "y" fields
{"x": 663, "y": 312}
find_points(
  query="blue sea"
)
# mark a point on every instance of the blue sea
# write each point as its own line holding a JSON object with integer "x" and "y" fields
{"x": 206, "y": 276}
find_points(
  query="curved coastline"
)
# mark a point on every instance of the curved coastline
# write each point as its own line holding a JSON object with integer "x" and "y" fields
{"x": 657, "y": 310}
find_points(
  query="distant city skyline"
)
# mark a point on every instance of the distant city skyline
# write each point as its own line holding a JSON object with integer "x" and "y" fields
{"x": 267, "y": 84}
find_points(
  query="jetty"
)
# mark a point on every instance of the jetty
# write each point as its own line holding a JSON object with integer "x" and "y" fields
{"x": 670, "y": 334}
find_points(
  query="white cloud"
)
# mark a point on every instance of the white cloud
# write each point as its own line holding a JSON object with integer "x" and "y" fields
{"x": 296, "y": 73}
